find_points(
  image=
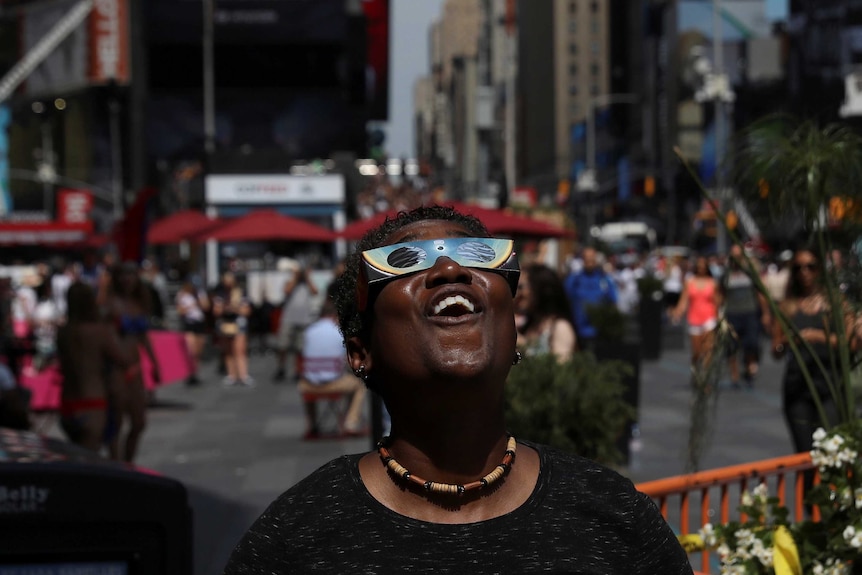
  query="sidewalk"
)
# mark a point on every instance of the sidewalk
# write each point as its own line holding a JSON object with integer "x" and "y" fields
{"x": 237, "y": 449}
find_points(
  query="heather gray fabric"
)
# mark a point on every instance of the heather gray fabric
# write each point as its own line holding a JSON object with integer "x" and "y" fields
{"x": 581, "y": 518}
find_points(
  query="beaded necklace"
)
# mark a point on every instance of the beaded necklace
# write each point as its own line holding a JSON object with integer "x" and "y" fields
{"x": 448, "y": 488}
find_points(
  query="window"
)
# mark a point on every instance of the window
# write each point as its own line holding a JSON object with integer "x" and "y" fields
{"x": 573, "y": 69}
{"x": 573, "y": 89}
{"x": 575, "y": 109}
{"x": 594, "y": 47}
{"x": 594, "y": 69}
{"x": 594, "y": 6}
{"x": 594, "y": 90}
{"x": 573, "y": 26}
{"x": 573, "y": 7}
{"x": 573, "y": 49}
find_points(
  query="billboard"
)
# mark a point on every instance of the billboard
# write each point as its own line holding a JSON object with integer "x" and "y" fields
{"x": 248, "y": 21}
{"x": 94, "y": 53}
{"x": 377, "y": 57}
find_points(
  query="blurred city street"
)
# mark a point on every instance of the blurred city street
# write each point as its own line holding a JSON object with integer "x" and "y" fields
{"x": 237, "y": 449}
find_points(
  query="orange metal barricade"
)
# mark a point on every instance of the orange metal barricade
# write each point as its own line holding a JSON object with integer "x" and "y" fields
{"x": 725, "y": 482}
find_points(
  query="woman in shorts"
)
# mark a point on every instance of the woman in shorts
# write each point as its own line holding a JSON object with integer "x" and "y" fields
{"x": 700, "y": 296}
{"x": 192, "y": 305}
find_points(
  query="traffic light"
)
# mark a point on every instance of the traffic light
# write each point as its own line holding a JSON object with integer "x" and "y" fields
{"x": 649, "y": 186}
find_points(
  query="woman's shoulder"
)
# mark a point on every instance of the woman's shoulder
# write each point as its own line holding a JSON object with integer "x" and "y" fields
{"x": 572, "y": 468}
{"x": 339, "y": 476}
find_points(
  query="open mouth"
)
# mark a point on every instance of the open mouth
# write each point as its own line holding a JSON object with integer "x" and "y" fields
{"x": 453, "y": 306}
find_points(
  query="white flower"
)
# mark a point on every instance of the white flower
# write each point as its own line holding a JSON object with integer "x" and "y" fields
{"x": 856, "y": 541}
{"x": 747, "y": 500}
{"x": 761, "y": 491}
{"x": 708, "y": 535}
{"x": 818, "y": 568}
{"x": 723, "y": 551}
{"x": 858, "y": 494}
{"x": 819, "y": 436}
{"x": 849, "y": 533}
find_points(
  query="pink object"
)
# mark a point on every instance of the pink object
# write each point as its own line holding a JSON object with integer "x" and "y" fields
{"x": 21, "y": 328}
{"x": 169, "y": 347}
{"x": 45, "y": 385}
{"x": 173, "y": 356}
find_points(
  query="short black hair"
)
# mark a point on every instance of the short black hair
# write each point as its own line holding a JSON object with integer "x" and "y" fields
{"x": 351, "y": 321}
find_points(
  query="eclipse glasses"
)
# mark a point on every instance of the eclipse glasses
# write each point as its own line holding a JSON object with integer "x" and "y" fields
{"x": 381, "y": 265}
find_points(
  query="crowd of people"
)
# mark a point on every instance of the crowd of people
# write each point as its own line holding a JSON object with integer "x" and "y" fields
{"x": 50, "y": 311}
{"x": 88, "y": 321}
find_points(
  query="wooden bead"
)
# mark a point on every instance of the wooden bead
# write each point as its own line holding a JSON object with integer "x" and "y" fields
{"x": 448, "y": 488}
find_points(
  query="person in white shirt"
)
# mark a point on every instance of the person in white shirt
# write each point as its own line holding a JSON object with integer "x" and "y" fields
{"x": 325, "y": 370}
{"x": 192, "y": 303}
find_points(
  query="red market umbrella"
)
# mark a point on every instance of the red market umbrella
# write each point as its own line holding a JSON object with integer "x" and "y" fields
{"x": 498, "y": 222}
{"x": 180, "y": 226}
{"x": 262, "y": 225}
{"x": 501, "y": 222}
{"x": 355, "y": 230}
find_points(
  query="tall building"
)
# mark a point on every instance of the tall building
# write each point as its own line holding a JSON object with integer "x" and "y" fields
{"x": 120, "y": 103}
{"x": 825, "y": 56}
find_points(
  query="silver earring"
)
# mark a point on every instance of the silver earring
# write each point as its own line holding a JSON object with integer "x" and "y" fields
{"x": 360, "y": 373}
{"x": 518, "y": 358}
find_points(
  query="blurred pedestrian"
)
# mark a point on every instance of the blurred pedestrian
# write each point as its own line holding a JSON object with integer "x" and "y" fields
{"x": 24, "y": 304}
{"x": 192, "y": 305}
{"x": 325, "y": 370}
{"x": 585, "y": 289}
{"x": 807, "y": 308}
{"x": 674, "y": 281}
{"x": 231, "y": 310}
{"x": 129, "y": 310}
{"x": 543, "y": 314}
{"x": 747, "y": 313}
{"x": 45, "y": 321}
{"x": 84, "y": 345}
{"x": 700, "y": 298}
{"x": 296, "y": 315}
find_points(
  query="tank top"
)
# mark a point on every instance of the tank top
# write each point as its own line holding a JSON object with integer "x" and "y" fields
{"x": 701, "y": 303}
{"x": 818, "y": 320}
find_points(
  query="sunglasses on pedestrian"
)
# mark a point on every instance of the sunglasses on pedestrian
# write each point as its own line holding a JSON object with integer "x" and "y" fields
{"x": 382, "y": 265}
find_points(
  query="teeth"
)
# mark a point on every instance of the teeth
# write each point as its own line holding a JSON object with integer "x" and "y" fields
{"x": 454, "y": 300}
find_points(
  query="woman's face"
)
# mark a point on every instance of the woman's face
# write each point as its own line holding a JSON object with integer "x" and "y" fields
{"x": 806, "y": 269}
{"x": 524, "y": 295}
{"x": 448, "y": 323}
{"x": 701, "y": 267}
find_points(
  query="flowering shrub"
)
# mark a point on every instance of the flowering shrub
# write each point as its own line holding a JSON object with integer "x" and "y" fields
{"x": 766, "y": 542}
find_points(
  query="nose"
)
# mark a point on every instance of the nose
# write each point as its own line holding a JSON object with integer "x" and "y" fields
{"x": 445, "y": 271}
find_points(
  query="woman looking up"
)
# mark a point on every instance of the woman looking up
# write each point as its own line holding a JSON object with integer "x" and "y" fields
{"x": 426, "y": 309}
{"x": 545, "y": 315}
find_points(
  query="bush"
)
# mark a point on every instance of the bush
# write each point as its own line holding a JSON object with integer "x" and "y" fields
{"x": 609, "y": 321}
{"x": 576, "y": 406}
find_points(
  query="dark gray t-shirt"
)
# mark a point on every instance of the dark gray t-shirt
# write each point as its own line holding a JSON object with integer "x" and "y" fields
{"x": 581, "y": 518}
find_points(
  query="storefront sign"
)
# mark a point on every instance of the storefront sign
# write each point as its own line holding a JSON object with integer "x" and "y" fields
{"x": 73, "y": 206}
{"x": 274, "y": 189}
{"x": 43, "y": 233}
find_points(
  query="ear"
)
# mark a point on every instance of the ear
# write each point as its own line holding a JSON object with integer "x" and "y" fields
{"x": 358, "y": 354}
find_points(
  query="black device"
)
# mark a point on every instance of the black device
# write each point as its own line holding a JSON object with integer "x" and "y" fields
{"x": 65, "y": 512}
